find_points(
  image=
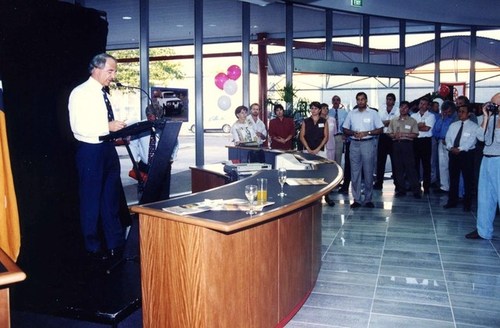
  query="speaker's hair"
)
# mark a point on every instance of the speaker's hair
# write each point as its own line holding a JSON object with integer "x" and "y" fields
{"x": 98, "y": 61}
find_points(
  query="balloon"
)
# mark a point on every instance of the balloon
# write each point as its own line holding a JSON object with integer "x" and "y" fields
{"x": 234, "y": 72}
{"x": 224, "y": 102}
{"x": 444, "y": 90}
{"x": 220, "y": 79}
{"x": 230, "y": 87}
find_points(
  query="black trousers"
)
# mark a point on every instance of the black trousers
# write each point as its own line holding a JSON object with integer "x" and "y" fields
{"x": 463, "y": 163}
{"x": 404, "y": 166}
{"x": 384, "y": 149}
{"x": 423, "y": 150}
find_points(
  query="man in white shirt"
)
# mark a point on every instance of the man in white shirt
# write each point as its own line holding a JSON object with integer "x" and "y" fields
{"x": 384, "y": 148}
{"x": 423, "y": 143}
{"x": 91, "y": 116}
{"x": 258, "y": 126}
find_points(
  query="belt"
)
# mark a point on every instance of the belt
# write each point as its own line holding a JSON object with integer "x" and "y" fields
{"x": 403, "y": 140}
{"x": 362, "y": 139}
{"x": 491, "y": 155}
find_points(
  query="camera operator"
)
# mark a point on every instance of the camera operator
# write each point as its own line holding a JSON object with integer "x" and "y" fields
{"x": 489, "y": 174}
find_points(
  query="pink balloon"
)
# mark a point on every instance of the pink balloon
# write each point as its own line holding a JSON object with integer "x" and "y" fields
{"x": 234, "y": 72}
{"x": 220, "y": 79}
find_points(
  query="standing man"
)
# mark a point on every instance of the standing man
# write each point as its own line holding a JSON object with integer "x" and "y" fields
{"x": 91, "y": 116}
{"x": 460, "y": 142}
{"x": 423, "y": 144}
{"x": 258, "y": 126}
{"x": 489, "y": 174}
{"x": 281, "y": 129}
{"x": 403, "y": 130}
{"x": 384, "y": 141}
{"x": 339, "y": 113}
{"x": 439, "y": 131}
{"x": 341, "y": 143}
{"x": 361, "y": 125}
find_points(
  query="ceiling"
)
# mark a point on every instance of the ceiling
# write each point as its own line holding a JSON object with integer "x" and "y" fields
{"x": 172, "y": 21}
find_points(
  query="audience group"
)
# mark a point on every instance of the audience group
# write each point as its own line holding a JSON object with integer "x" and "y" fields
{"x": 437, "y": 144}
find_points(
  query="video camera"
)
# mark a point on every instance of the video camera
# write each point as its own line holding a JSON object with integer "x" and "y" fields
{"x": 493, "y": 108}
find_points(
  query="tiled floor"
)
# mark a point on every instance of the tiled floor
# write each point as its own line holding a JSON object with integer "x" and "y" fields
{"x": 404, "y": 263}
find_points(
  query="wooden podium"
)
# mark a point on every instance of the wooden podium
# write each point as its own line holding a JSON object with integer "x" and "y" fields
{"x": 227, "y": 269}
{"x": 9, "y": 274}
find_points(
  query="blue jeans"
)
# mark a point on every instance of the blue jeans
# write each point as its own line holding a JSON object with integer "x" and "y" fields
{"x": 488, "y": 195}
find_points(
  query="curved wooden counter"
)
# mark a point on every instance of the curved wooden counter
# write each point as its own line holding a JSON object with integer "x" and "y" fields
{"x": 226, "y": 269}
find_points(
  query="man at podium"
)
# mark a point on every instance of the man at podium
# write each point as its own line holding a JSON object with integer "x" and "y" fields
{"x": 91, "y": 116}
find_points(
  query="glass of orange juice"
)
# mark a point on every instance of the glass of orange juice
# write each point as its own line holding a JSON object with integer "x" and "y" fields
{"x": 261, "y": 190}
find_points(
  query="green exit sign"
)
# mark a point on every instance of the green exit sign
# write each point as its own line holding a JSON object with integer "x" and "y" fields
{"x": 357, "y": 3}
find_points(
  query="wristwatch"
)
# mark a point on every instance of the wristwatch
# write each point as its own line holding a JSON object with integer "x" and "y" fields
{"x": 369, "y": 133}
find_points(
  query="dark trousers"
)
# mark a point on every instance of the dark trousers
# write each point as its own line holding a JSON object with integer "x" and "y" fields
{"x": 347, "y": 167}
{"x": 463, "y": 163}
{"x": 384, "y": 149}
{"x": 404, "y": 166}
{"x": 99, "y": 184}
{"x": 423, "y": 150}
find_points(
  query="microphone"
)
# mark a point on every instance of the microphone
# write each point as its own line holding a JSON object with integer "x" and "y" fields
{"x": 119, "y": 85}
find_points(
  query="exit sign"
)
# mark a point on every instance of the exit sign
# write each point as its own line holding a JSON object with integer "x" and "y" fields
{"x": 357, "y": 3}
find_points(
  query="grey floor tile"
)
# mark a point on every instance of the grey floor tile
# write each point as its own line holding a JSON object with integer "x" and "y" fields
{"x": 411, "y": 273}
{"x": 348, "y": 277}
{"x": 351, "y": 267}
{"x": 390, "y": 321}
{"x": 326, "y": 287}
{"x": 339, "y": 302}
{"x": 473, "y": 278}
{"x": 477, "y": 317}
{"x": 494, "y": 268}
{"x": 329, "y": 317}
{"x": 413, "y": 310}
{"x": 473, "y": 289}
{"x": 411, "y": 263}
{"x": 411, "y": 255}
{"x": 412, "y": 296}
{"x": 475, "y": 303}
{"x": 336, "y": 258}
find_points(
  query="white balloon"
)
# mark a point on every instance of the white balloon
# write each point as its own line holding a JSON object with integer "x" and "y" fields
{"x": 224, "y": 102}
{"x": 230, "y": 87}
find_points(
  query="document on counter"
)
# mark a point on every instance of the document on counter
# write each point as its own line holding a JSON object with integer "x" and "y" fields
{"x": 305, "y": 181}
{"x": 235, "y": 204}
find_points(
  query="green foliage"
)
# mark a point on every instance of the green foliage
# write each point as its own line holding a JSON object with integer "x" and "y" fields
{"x": 161, "y": 72}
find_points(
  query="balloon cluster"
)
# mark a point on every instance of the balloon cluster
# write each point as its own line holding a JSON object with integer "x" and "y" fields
{"x": 227, "y": 82}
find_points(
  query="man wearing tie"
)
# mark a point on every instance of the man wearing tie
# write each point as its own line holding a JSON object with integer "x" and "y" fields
{"x": 91, "y": 116}
{"x": 460, "y": 141}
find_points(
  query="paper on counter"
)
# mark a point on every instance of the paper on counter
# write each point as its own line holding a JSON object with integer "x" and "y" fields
{"x": 305, "y": 181}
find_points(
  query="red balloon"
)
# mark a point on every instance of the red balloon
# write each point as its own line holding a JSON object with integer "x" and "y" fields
{"x": 444, "y": 90}
{"x": 220, "y": 79}
{"x": 234, "y": 72}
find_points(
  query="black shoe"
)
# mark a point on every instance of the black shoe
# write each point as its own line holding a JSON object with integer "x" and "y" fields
{"x": 369, "y": 205}
{"x": 440, "y": 191}
{"x": 467, "y": 208}
{"x": 343, "y": 191}
{"x": 329, "y": 201}
{"x": 355, "y": 205}
{"x": 450, "y": 205}
{"x": 417, "y": 195}
{"x": 377, "y": 186}
{"x": 400, "y": 194}
{"x": 426, "y": 191}
{"x": 473, "y": 235}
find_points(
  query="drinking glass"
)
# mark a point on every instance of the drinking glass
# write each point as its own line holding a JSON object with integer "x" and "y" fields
{"x": 251, "y": 194}
{"x": 282, "y": 180}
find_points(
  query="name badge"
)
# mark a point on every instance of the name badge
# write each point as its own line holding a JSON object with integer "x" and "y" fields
{"x": 407, "y": 127}
{"x": 366, "y": 120}
{"x": 321, "y": 125}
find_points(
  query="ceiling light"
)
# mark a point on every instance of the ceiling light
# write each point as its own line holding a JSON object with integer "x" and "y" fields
{"x": 127, "y": 17}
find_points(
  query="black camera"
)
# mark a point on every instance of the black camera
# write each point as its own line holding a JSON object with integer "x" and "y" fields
{"x": 493, "y": 108}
